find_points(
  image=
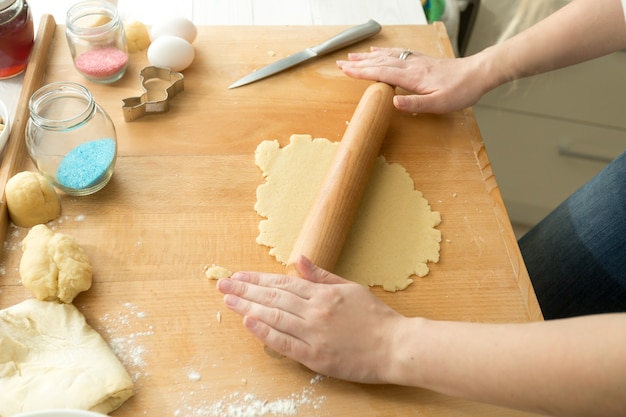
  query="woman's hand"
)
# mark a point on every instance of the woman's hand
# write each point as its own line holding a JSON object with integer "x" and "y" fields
{"x": 440, "y": 85}
{"x": 333, "y": 326}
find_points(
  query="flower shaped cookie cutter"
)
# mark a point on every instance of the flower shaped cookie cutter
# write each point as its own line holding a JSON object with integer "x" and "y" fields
{"x": 159, "y": 85}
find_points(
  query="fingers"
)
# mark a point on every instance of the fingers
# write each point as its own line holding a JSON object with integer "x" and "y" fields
{"x": 397, "y": 76}
{"x": 385, "y": 70}
{"x": 274, "y": 290}
{"x": 371, "y": 64}
{"x": 317, "y": 320}
{"x": 274, "y": 305}
{"x": 283, "y": 343}
{"x": 384, "y": 64}
{"x": 414, "y": 103}
{"x": 378, "y": 58}
{"x": 269, "y": 314}
{"x": 376, "y": 52}
{"x": 245, "y": 294}
{"x": 313, "y": 273}
{"x": 292, "y": 285}
{"x": 271, "y": 306}
{"x": 436, "y": 85}
{"x": 416, "y": 73}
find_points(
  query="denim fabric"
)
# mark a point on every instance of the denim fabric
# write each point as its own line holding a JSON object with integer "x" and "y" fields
{"x": 576, "y": 256}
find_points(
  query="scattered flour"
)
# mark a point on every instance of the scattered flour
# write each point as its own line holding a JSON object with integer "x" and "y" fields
{"x": 127, "y": 346}
{"x": 240, "y": 404}
{"x": 15, "y": 235}
{"x": 194, "y": 376}
{"x": 317, "y": 379}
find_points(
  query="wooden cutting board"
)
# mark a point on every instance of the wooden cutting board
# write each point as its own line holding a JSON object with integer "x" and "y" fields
{"x": 182, "y": 198}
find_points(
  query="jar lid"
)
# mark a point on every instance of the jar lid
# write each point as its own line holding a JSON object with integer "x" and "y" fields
{"x": 6, "y": 3}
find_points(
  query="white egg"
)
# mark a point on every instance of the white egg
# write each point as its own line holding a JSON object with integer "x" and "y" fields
{"x": 176, "y": 26}
{"x": 171, "y": 52}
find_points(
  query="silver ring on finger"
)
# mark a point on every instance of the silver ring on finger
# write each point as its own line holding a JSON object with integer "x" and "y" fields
{"x": 405, "y": 54}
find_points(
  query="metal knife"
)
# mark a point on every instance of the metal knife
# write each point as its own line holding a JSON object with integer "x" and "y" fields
{"x": 341, "y": 40}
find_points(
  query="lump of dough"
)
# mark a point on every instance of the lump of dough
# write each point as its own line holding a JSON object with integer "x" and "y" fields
{"x": 31, "y": 199}
{"x": 51, "y": 358}
{"x": 137, "y": 36}
{"x": 53, "y": 265}
{"x": 216, "y": 272}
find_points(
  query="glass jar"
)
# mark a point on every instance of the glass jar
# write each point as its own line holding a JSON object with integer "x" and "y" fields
{"x": 16, "y": 37}
{"x": 70, "y": 138}
{"x": 97, "y": 42}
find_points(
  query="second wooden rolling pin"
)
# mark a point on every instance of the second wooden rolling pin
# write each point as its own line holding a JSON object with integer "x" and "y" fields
{"x": 328, "y": 222}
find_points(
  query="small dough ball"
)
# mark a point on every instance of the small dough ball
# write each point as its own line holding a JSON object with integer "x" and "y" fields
{"x": 137, "y": 36}
{"x": 53, "y": 265}
{"x": 31, "y": 199}
{"x": 216, "y": 272}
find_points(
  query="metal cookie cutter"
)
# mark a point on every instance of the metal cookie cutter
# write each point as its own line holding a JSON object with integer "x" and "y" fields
{"x": 160, "y": 85}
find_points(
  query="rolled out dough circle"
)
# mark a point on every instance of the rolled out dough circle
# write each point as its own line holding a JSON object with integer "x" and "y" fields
{"x": 394, "y": 234}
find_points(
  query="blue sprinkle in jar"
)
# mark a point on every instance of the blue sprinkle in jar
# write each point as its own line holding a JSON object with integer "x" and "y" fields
{"x": 70, "y": 138}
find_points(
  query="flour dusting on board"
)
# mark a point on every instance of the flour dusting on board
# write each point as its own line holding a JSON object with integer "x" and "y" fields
{"x": 240, "y": 404}
{"x": 127, "y": 346}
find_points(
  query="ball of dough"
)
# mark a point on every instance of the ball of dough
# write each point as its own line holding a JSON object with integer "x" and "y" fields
{"x": 137, "y": 36}
{"x": 216, "y": 272}
{"x": 31, "y": 199}
{"x": 53, "y": 265}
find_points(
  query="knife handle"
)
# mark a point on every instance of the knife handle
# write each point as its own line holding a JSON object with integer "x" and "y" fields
{"x": 348, "y": 37}
{"x": 332, "y": 213}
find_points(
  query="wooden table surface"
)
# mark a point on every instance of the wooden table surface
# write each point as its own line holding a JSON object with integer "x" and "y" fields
{"x": 182, "y": 198}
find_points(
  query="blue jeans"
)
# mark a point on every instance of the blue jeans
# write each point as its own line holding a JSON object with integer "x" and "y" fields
{"x": 576, "y": 256}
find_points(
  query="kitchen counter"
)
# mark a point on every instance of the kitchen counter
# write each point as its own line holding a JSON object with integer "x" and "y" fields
{"x": 182, "y": 198}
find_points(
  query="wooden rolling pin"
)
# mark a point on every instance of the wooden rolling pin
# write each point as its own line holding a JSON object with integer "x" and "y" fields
{"x": 15, "y": 153}
{"x": 328, "y": 222}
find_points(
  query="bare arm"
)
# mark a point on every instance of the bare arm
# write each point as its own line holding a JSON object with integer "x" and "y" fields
{"x": 573, "y": 367}
{"x": 580, "y": 31}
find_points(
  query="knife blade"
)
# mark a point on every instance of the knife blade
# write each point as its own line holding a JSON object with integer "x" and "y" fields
{"x": 347, "y": 37}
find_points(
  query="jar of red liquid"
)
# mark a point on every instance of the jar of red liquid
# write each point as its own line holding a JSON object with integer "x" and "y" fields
{"x": 16, "y": 36}
{"x": 95, "y": 35}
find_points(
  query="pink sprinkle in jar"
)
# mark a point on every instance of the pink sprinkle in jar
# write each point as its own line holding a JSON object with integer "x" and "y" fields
{"x": 95, "y": 35}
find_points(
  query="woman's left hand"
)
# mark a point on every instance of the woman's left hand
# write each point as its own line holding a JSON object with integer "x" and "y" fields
{"x": 436, "y": 85}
